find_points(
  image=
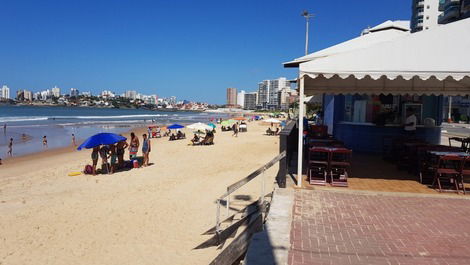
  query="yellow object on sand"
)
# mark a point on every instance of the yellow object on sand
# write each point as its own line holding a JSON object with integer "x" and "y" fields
{"x": 75, "y": 173}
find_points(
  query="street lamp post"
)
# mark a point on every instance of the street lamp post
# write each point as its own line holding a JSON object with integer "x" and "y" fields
{"x": 307, "y": 17}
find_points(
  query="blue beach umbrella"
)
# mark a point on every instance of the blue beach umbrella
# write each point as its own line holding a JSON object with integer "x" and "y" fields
{"x": 175, "y": 126}
{"x": 101, "y": 139}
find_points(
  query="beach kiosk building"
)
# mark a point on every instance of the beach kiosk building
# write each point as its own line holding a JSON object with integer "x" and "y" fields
{"x": 370, "y": 83}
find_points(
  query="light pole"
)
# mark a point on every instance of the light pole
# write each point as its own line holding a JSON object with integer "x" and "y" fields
{"x": 307, "y": 17}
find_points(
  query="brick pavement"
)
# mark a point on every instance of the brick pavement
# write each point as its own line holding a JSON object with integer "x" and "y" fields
{"x": 331, "y": 227}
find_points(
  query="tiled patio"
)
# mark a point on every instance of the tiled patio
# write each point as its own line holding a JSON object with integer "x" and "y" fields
{"x": 356, "y": 227}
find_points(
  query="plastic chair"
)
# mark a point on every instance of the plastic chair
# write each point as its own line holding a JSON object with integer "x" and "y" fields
{"x": 449, "y": 168}
{"x": 318, "y": 165}
{"x": 340, "y": 163}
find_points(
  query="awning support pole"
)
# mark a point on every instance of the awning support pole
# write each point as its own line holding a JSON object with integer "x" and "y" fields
{"x": 301, "y": 132}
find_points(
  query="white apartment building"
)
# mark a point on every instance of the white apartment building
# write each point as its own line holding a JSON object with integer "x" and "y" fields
{"x": 131, "y": 94}
{"x": 56, "y": 91}
{"x": 424, "y": 14}
{"x": 268, "y": 92}
{"x": 5, "y": 92}
{"x": 241, "y": 98}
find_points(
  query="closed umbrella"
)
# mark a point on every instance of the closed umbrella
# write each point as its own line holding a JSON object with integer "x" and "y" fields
{"x": 199, "y": 126}
{"x": 101, "y": 139}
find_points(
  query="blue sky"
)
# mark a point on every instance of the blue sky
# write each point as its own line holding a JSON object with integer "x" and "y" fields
{"x": 190, "y": 49}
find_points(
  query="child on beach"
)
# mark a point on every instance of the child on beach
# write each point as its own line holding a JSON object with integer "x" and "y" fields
{"x": 94, "y": 158}
{"x": 10, "y": 147}
{"x": 146, "y": 149}
{"x": 44, "y": 142}
{"x": 134, "y": 146}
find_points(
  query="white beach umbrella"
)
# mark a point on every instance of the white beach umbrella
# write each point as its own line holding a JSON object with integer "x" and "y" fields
{"x": 199, "y": 126}
{"x": 272, "y": 121}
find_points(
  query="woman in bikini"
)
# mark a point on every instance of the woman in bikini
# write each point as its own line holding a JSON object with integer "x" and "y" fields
{"x": 134, "y": 146}
{"x": 146, "y": 149}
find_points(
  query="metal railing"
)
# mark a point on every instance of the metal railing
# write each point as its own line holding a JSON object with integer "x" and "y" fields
{"x": 235, "y": 186}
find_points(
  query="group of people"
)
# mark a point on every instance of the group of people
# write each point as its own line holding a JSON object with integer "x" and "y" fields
{"x": 207, "y": 140}
{"x": 179, "y": 135}
{"x": 114, "y": 153}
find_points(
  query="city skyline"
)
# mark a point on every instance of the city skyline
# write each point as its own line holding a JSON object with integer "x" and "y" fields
{"x": 159, "y": 47}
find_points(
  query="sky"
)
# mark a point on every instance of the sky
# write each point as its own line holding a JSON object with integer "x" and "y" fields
{"x": 190, "y": 49}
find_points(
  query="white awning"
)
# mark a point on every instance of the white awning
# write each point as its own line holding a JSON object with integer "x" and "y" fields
{"x": 435, "y": 61}
{"x": 382, "y": 35}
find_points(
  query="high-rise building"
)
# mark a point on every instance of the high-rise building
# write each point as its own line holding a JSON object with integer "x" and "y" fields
{"x": 241, "y": 98}
{"x": 231, "y": 97}
{"x": 5, "y": 92}
{"x": 56, "y": 91}
{"x": 74, "y": 92}
{"x": 24, "y": 95}
{"x": 424, "y": 14}
{"x": 268, "y": 93}
{"x": 250, "y": 100}
{"x": 131, "y": 94}
{"x": 453, "y": 10}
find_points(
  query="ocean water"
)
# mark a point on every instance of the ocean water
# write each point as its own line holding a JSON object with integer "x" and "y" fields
{"x": 28, "y": 124}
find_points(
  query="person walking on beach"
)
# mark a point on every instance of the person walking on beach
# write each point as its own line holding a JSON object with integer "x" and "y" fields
{"x": 94, "y": 158}
{"x": 235, "y": 129}
{"x": 120, "y": 149}
{"x": 44, "y": 141}
{"x": 146, "y": 149}
{"x": 10, "y": 147}
{"x": 134, "y": 146}
{"x": 5, "y": 128}
{"x": 73, "y": 140}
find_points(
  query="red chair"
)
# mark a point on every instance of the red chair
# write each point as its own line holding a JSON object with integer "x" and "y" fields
{"x": 448, "y": 168}
{"x": 318, "y": 165}
{"x": 340, "y": 163}
{"x": 465, "y": 172}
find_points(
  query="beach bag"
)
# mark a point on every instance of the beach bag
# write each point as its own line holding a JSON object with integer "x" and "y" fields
{"x": 88, "y": 170}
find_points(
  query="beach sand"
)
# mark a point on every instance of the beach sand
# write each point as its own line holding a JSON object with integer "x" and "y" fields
{"x": 152, "y": 215}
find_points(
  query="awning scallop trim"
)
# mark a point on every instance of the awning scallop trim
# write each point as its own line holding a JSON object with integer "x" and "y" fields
{"x": 456, "y": 76}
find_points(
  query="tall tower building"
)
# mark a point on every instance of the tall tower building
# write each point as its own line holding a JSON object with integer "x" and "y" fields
{"x": 231, "y": 97}
{"x": 74, "y": 92}
{"x": 424, "y": 14}
{"x": 56, "y": 91}
{"x": 241, "y": 98}
{"x": 5, "y": 92}
{"x": 453, "y": 10}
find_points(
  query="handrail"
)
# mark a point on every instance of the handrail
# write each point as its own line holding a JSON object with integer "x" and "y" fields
{"x": 235, "y": 186}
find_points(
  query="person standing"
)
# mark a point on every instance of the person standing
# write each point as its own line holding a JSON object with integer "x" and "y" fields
{"x": 120, "y": 149}
{"x": 10, "y": 147}
{"x": 134, "y": 146}
{"x": 94, "y": 158}
{"x": 146, "y": 148}
{"x": 5, "y": 128}
{"x": 73, "y": 140}
{"x": 44, "y": 141}
{"x": 235, "y": 129}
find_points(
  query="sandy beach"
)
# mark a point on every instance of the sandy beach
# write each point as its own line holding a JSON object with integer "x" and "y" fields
{"x": 152, "y": 215}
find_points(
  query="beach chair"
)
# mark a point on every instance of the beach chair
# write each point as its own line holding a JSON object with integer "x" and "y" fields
{"x": 318, "y": 165}
{"x": 340, "y": 163}
{"x": 448, "y": 168}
